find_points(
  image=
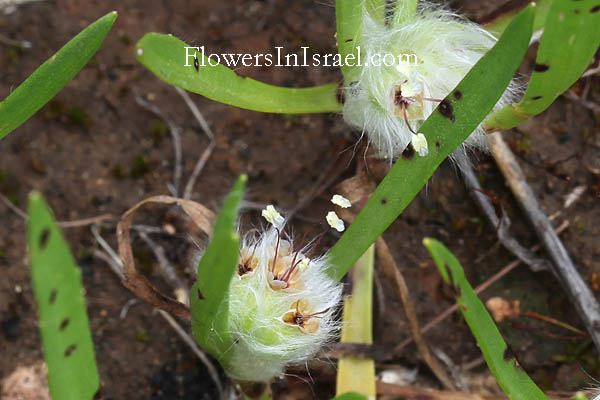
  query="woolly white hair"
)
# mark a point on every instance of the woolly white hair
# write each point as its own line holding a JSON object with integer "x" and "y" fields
{"x": 265, "y": 339}
{"x": 446, "y": 47}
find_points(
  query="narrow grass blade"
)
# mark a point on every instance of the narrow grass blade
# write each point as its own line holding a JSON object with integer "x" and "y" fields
{"x": 53, "y": 75}
{"x": 571, "y": 38}
{"x": 358, "y": 374}
{"x": 514, "y": 381}
{"x": 64, "y": 326}
{"x": 499, "y": 20}
{"x": 449, "y": 125}
{"x": 209, "y": 295}
{"x": 166, "y": 56}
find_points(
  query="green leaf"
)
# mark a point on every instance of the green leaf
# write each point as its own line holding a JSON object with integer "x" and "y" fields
{"x": 64, "y": 326}
{"x": 449, "y": 125}
{"x": 358, "y": 374}
{"x": 348, "y": 15}
{"x": 166, "y": 56}
{"x": 571, "y": 38}
{"x": 53, "y": 75}
{"x": 500, "y": 19}
{"x": 209, "y": 295}
{"x": 513, "y": 380}
{"x": 350, "y": 396}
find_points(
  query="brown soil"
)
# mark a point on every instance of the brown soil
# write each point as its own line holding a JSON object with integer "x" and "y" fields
{"x": 93, "y": 150}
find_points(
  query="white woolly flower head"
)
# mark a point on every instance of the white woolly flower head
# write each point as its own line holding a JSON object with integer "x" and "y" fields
{"x": 433, "y": 51}
{"x": 282, "y": 306}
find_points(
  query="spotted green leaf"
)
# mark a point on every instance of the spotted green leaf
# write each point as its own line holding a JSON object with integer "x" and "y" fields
{"x": 64, "y": 326}
{"x": 53, "y": 75}
{"x": 449, "y": 125}
{"x": 166, "y": 56}
{"x": 209, "y": 295}
{"x": 571, "y": 38}
{"x": 512, "y": 379}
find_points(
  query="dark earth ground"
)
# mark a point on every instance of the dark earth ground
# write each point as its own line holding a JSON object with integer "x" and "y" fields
{"x": 93, "y": 150}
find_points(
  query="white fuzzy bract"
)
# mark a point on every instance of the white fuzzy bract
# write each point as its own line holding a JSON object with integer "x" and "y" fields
{"x": 281, "y": 312}
{"x": 433, "y": 51}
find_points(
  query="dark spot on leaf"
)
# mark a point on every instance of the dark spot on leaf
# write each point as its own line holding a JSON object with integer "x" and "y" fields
{"x": 384, "y": 201}
{"x": 447, "y": 110}
{"x": 457, "y": 94}
{"x": 595, "y": 9}
{"x": 541, "y": 67}
{"x": 536, "y": 97}
{"x": 576, "y": 11}
{"x": 464, "y": 307}
{"x": 437, "y": 144}
{"x": 64, "y": 324}
{"x": 409, "y": 152}
{"x": 70, "y": 350}
{"x": 348, "y": 40}
{"x": 200, "y": 295}
{"x": 196, "y": 63}
{"x": 44, "y": 238}
{"x": 509, "y": 354}
{"x": 53, "y": 295}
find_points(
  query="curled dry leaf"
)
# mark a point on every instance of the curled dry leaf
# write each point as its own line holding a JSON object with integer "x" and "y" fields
{"x": 139, "y": 284}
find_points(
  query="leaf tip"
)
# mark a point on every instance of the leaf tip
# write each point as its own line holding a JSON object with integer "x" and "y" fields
{"x": 34, "y": 196}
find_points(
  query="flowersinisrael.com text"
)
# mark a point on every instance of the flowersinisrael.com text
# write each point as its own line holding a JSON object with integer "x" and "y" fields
{"x": 303, "y": 59}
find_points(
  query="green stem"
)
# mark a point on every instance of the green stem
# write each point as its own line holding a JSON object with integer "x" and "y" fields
{"x": 358, "y": 374}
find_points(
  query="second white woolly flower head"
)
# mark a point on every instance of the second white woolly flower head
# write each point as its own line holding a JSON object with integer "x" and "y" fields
{"x": 446, "y": 47}
{"x": 281, "y": 312}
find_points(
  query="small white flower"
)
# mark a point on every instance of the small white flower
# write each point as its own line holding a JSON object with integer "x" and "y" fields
{"x": 419, "y": 143}
{"x": 341, "y": 201}
{"x": 273, "y": 217}
{"x": 335, "y": 222}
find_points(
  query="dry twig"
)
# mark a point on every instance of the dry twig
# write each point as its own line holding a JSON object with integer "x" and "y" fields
{"x": 63, "y": 224}
{"x": 116, "y": 266}
{"x": 415, "y": 392}
{"x": 175, "y": 131}
{"x": 485, "y": 204}
{"x": 564, "y": 269}
{"x": 489, "y": 282}
{"x": 392, "y": 272}
{"x": 189, "y": 186}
